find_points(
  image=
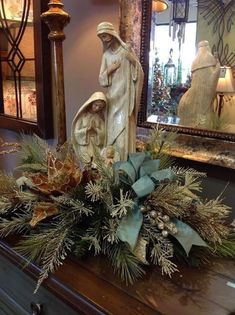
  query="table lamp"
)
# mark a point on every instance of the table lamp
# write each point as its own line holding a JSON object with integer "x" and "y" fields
{"x": 225, "y": 85}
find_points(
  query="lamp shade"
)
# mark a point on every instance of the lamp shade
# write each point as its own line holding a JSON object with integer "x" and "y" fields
{"x": 159, "y": 5}
{"x": 226, "y": 82}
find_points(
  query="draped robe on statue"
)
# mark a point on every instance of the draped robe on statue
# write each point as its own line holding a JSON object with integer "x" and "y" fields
{"x": 196, "y": 105}
{"x": 83, "y": 138}
{"x": 123, "y": 95}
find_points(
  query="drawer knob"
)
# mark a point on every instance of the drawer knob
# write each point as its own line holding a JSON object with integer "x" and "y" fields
{"x": 36, "y": 308}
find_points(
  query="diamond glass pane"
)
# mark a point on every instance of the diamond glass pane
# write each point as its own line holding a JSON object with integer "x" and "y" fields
{"x": 18, "y": 92}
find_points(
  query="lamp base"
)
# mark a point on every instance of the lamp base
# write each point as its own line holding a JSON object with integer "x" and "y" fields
{"x": 220, "y": 105}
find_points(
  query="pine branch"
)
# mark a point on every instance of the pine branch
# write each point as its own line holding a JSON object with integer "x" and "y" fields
{"x": 7, "y": 184}
{"x": 54, "y": 254}
{"x": 159, "y": 145}
{"x": 169, "y": 199}
{"x": 199, "y": 256}
{"x": 208, "y": 219}
{"x": 192, "y": 183}
{"x": 123, "y": 206}
{"x": 167, "y": 266}
{"x": 9, "y": 147}
{"x": 124, "y": 262}
{"x": 32, "y": 167}
{"x": 109, "y": 233}
{"x": 33, "y": 150}
{"x": 5, "y": 205}
{"x": 162, "y": 248}
{"x": 93, "y": 235}
{"x": 227, "y": 248}
{"x": 15, "y": 225}
{"x": 73, "y": 209}
{"x": 80, "y": 247}
{"x": 94, "y": 191}
{"x": 181, "y": 172}
{"x": 94, "y": 243}
{"x": 34, "y": 245}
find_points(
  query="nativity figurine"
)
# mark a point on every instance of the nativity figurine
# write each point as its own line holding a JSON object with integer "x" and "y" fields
{"x": 110, "y": 155}
{"x": 196, "y": 105}
{"x": 88, "y": 127}
{"x": 122, "y": 75}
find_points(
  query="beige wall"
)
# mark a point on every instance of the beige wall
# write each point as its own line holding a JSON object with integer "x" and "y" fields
{"x": 83, "y": 49}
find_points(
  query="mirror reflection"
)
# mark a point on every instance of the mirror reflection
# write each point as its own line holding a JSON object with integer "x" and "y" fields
{"x": 191, "y": 82}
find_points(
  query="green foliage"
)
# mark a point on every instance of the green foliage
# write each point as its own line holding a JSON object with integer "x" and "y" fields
{"x": 80, "y": 247}
{"x": 74, "y": 209}
{"x": 227, "y": 247}
{"x": 199, "y": 256}
{"x": 218, "y": 123}
{"x": 83, "y": 214}
{"x": 123, "y": 206}
{"x": 208, "y": 219}
{"x": 33, "y": 151}
{"x": 17, "y": 224}
{"x": 124, "y": 262}
{"x": 7, "y": 184}
{"x": 54, "y": 254}
{"x": 159, "y": 144}
{"x": 32, "y": 167}
{"x": 170, "y": 199}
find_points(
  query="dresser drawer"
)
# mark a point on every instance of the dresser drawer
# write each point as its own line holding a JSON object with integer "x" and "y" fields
{"x": 16, "y": 294}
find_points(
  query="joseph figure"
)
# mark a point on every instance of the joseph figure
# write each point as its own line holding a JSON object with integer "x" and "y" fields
{"x": 122, "y": 75}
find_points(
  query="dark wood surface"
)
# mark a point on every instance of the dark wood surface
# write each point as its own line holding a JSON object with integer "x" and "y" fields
{"x": 89, "y": 286}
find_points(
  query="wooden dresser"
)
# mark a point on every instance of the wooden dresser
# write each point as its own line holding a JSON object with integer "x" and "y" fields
{"x": 89, "y": 287}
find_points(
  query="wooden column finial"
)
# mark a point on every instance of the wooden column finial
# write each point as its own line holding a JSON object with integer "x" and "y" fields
{"x": 56, "y": 19}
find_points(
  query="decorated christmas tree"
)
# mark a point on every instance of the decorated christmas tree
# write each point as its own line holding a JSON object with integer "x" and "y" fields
{"x": 162, "y": 103}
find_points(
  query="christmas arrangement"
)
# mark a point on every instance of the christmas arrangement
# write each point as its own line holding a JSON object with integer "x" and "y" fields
{"x": 145, "y": 210}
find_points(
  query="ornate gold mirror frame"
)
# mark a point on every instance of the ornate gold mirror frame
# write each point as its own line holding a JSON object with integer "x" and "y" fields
{"x": 201, "y": 145}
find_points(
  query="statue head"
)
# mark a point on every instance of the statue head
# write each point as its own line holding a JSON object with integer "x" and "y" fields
{"x": 97, "y": 105}
{"x": 106, "y": 32}
{"x": 204, "y": 58}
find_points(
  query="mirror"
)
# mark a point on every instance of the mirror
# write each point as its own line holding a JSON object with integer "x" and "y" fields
{"x": 167, "y": 65}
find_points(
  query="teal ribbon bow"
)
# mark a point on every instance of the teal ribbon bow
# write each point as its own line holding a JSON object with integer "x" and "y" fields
{"x": 130, "y": 225}
{"x": 143, "y": 173}
{"x": 187, "y": 237}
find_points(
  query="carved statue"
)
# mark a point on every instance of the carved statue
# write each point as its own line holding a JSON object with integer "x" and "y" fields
{"x": 110, "y": 155}
{"x": 88, "y": 126}
{"x": 122, "y": 75}
{"x": 196, "y": 105}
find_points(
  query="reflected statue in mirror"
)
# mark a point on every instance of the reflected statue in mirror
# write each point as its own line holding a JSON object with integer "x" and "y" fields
{"x": 121, "y": 73}
{"x": 88, "y": 130}
{"x": 195, "y": 108}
